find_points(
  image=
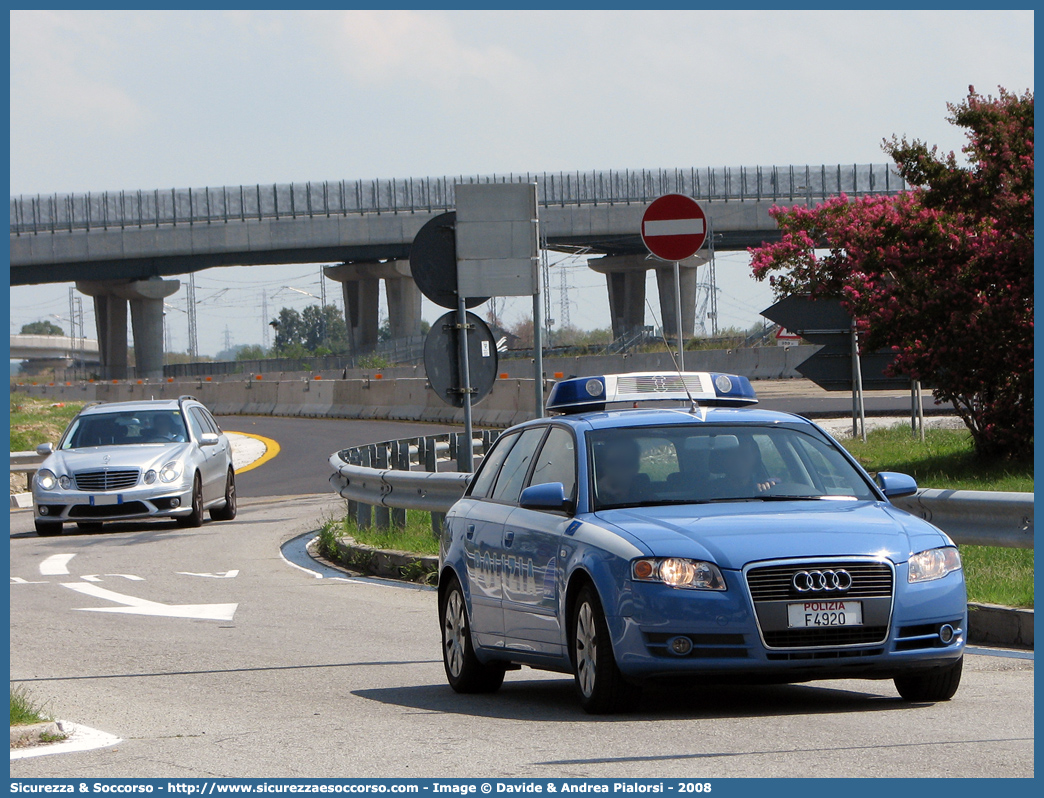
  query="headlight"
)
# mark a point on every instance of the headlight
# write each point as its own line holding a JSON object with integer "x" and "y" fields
{"x": 65, "y": 481}
{"x": 150, "y": 477}
{"x": 934, "y": 564}
{"x": 679, "y": 572}
{"x": 46, "y": 479}
{"x": 170, "y": 472}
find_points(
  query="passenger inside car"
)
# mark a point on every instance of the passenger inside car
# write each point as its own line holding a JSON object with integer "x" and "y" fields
{"x": 618, "y": 477}
{"x": 740, "y": 469}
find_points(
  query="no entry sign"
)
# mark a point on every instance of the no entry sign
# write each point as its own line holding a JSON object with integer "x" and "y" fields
{"x": 674, "y": 227}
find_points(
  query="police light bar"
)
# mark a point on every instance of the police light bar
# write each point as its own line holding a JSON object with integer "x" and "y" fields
{"x": 585, "y": 394}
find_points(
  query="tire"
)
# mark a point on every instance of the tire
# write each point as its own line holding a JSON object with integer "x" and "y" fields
{"x": 600, "y": 686}
{"x": 938, "y": 684}
{"x": 89, "y": 526}
{"x": 46, "y": 529}
{"x": 464, "y": 671}
{"x": 228, "y": 512}
{"x": 196, "y": 519}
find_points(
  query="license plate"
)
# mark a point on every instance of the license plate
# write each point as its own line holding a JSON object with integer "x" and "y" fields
{"x": 105, "y": 499}
{"x": 825, "y": 612}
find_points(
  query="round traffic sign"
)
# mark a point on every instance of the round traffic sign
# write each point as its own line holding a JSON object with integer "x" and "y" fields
{"x": 674, "y": 227}
{"x": 433, "y": 262}
{"x": 442, "y": 359}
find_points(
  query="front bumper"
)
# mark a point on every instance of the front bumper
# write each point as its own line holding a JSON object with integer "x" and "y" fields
{"x": 140, "y": 501}
{"x": 723, "y": 638}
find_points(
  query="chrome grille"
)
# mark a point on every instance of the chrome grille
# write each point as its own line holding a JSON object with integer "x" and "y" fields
{"x": 773, "y": 583}
{"x": 106, "y": 479}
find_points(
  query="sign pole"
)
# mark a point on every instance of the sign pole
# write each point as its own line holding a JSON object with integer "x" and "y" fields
{"x": 858, "y": 409}
{"x": 465, "y": 383}
{"x": 538, "y": 352}
{"x": 678, "y": 315}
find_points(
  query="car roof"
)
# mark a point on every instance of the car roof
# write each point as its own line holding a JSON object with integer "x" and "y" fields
{"x": 141, "y": 404}
{"x": 655, "y": 417}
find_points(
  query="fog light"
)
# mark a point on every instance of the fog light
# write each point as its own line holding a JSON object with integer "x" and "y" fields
{"x": 44, "y": 510}
{"x": 946, "y": 633}
{"x": 680, "y": 645}
{"x": 175, "y": 502}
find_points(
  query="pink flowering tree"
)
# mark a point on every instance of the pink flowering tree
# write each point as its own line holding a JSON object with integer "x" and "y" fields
{"x": 942, "y": 274}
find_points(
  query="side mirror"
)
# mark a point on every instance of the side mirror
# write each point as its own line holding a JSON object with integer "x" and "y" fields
{"x": 894, "y": 485}
{"x": 208, "y": 439}
{"x": 549, "y": 496}
{"x": 45, "y": 449}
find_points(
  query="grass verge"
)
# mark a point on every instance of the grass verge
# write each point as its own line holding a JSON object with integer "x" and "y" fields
{"x": 998, "y": 576}
{"x": 946, "y": 459}
{"x": 35, "y": 420}
{"x": 415, "y": 538}
{"x": 26, "y": 710}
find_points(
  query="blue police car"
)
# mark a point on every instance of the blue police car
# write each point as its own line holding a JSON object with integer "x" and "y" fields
{"x": 708, "y": 540}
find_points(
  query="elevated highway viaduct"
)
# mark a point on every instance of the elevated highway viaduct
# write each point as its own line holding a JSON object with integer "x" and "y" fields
{"x": 122, "y": 247}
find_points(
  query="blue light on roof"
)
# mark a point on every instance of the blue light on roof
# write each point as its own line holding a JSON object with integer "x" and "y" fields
{"x": 585, "y": 394}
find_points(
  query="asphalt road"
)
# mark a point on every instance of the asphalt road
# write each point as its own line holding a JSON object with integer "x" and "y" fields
{"x": 305, "y": 444}
{"x": 316, "y": 677}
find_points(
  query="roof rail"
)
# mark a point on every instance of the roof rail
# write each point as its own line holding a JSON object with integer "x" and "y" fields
{"x": 183, "y": 398}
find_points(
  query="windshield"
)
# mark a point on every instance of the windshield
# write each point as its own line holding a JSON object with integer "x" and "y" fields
{"x": 643, "y": 466}
{"x": 116, "y": 429}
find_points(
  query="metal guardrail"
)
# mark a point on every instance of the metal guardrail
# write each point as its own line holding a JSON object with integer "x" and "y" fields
{"x": 56, "y": 213}
{"x": 366, "y": 477}
{"x": 976, "y": 517}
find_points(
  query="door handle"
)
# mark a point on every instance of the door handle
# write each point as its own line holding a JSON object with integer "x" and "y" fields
{"x": 509, "y": 537}
{"x": 471, "y": 531}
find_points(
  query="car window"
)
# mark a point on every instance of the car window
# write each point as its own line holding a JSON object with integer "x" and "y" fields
{"x": 516, "y": 465}
{"x": 557, "y": 461}
{"x": 125, "y": 428}
{"x": 683, "y": 464}
{"x": 195, "y": 419}
{"x": 209, "y": 421}
{"x": 487, "y": 473}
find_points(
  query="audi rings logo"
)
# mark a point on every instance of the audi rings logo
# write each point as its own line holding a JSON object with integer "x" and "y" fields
{"x": 821, "y": 581}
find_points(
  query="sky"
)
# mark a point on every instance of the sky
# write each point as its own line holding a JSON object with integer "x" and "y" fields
{"x": 111, "y": 100}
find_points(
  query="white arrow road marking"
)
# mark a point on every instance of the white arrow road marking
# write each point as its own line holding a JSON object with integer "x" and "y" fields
{"x": 98, "y": 577}
{"x": 138, "y": 606}
{"x": 17, "y": 580}
{"x": 56, "y": 565}
{"x": 219, "y": 575}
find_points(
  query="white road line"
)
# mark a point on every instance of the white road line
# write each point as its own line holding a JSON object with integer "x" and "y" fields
{"x": 226, "y": 575}
{"x": 139, "y": 606}
{"x": 81, "y": 738}
{"x": 56, "y": 565}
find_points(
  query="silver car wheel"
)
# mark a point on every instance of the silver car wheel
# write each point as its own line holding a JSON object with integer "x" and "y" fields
{"x": 453, "y": 633}
{"x": 586, "y": 649}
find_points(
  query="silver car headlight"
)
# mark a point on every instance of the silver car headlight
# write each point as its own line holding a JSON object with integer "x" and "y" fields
{"x": 65, "y": 482}
{"x": 46, "y": 479}
{"x": 170, "y": 472}
{"x": 150, "y": 477}
{"x": 679, "y": 572}
{"x": 934, "y": 564}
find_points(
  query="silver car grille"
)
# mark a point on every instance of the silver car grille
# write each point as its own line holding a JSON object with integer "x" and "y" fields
{"x": 107, "y": 479}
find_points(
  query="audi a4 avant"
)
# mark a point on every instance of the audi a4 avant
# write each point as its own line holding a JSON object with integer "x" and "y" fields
{"x": 706, "y": 541}
{"x": 125, "y": 460}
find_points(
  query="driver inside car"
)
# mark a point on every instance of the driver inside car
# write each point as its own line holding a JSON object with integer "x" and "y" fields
{"x": 619, "y": 477}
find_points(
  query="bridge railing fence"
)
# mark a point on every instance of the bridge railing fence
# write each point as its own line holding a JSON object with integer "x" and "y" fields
{"x": 55, "y": 213}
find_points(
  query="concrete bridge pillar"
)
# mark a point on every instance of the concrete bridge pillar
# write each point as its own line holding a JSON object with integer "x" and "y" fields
{"x": 665, "y": 288}
{"x": 360, "y": 284}
{"x": 625, "y": 279}
{"x": 146, "y": 305}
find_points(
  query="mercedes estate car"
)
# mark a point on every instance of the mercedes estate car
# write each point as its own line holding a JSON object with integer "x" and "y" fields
{"x": 701, "y": 542}
{"x": 127, "y": 460}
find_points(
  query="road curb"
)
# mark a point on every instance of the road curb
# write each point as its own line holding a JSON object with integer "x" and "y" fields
{"x": 389, "y": 563}
{"x": 993, "y": 624}
{"x": 31, "y": 734}
{"x": 21, "y": 501}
